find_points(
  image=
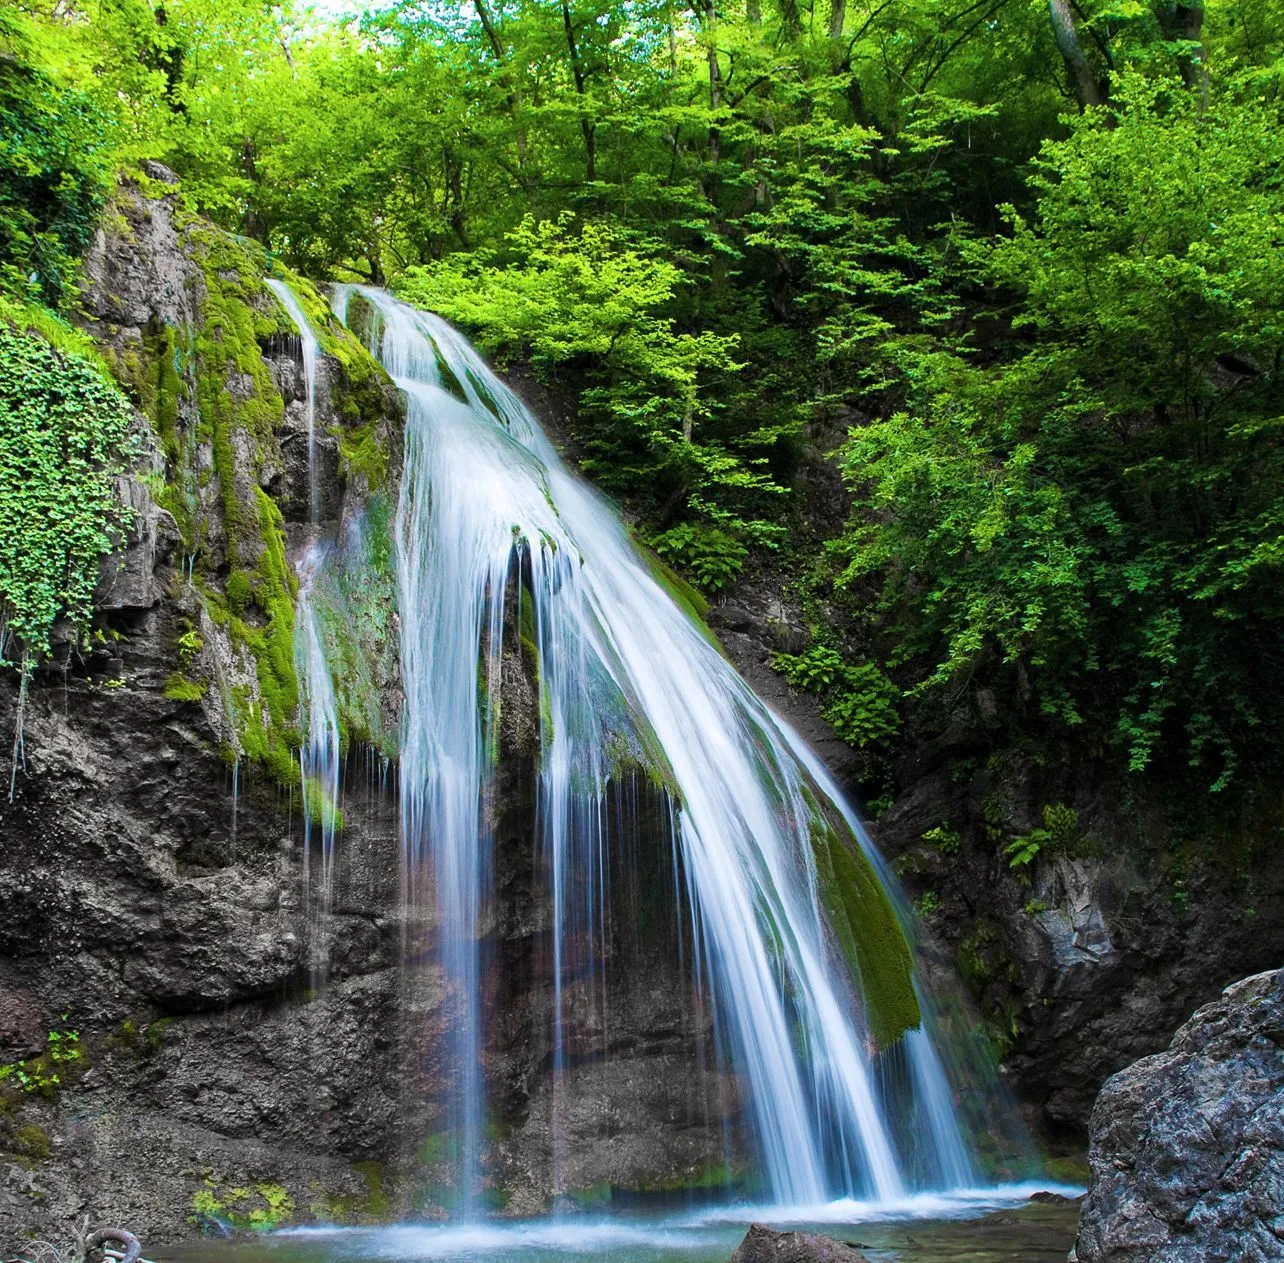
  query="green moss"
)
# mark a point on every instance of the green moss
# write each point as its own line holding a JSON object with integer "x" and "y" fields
{"x": 378, "y": 1203}
{"x": 178, "y": 688}
{"x": 218, "y": 368}
{"x": 236, "y": 318}
{"x": 1068, "y": 1170}
{"x": 869, "y": 933}
{"x": 353, "y": 1208}
{"x": 154, "y": 1033}
{"x": 717, "y": 1175}
{"x": 593, "y": 1197}
{"x": 237, "y": 591}
{"x": 33, "y": 1142}
{"x": 319, "y": 808}
{"x": 364, "y": 454}
{"x": 690, "y": 598}
{"x": 268, "y": 728}
{"x": 262, "y": 1208}
{"x": 356, "y": 608}
{"x": 439, "y": 1146}
{"x": 368, "y": 389}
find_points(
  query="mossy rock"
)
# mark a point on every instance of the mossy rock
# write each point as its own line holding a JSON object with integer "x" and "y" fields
{"x": 869, "y": 932}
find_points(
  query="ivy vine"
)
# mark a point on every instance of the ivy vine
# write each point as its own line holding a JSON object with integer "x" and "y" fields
{"x": 63, "y": 439}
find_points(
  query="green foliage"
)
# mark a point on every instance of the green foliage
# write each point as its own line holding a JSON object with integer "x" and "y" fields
{"x": 943, "y": 839}
{"x": 262, "y": 1208}
{"x": 1096, "y": 519}
{"x": 180, "y": 689}
{"x": 1058, "y": 835}
{"x": 929, "y": 902}
{"x": 730, "y": 235}
{"x": 813, "y": 671}
{"x": 861, "y": 704}
{"x": 63, "y": 438}
{"x": 33, "y": 1142}
{"x": 585, "y": 295}
{"x": 54, "y": 167}
{"x": 864, "y": 710}
{"x": 46, "y": 1073}
{"x": 364, "y": 454}
{"x": 710, "y": 556}
{"x": 189, "y": 646}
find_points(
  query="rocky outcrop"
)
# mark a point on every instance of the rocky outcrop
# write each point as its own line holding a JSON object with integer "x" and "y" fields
{"x": 1089, "y": 955}
{"x": 766, "y": 1245}
{"x": 1187, "y": 1151}
{"x": 190, "y": 1034}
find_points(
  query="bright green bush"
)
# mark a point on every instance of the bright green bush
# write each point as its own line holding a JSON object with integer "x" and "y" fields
{"x": 1096, "y": 520}
{"x": 54, "y": 169}
{"x": 813, "y": 671}
{"x": 587, "y": 296}
{"x": 710, "y": 556}
{"x": 861, "y": 703}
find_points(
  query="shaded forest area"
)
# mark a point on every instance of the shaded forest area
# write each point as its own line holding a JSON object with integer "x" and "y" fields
{"x": 1020, "y": 263}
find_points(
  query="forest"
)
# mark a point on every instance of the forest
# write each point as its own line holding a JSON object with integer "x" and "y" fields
{"x": 620, "y": 615}
{"x": 1017, "y": 265}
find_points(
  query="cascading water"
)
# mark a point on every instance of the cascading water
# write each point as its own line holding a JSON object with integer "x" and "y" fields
{"x": 309, "y": 350}
{"x": 627, "y": 678}
{"x": 319, "y": 754}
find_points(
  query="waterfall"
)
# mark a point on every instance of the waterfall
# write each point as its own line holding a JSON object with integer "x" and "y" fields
{"x": 319, "y": 754}
{"x": 309, "y": 349}
{"x": 490, "y": 520}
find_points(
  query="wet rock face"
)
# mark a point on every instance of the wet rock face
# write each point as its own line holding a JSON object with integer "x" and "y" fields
{"x": 1187, "y": 1149}
{"x": 161, "y": 919}
{"x": 632, "y": 1105}
{"x": 765, "y": 1245}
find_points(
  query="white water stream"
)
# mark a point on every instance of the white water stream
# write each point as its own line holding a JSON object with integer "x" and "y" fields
{"x": 626, "y": 678}
{"x": 319, "y": 755}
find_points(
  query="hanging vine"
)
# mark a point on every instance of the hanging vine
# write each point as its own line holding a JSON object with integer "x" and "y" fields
{"x": 63, "y": 439}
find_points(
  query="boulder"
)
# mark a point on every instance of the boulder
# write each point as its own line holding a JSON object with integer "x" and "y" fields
{"x": 1187, "y": 1147}
{"x": 765, "y": 1245}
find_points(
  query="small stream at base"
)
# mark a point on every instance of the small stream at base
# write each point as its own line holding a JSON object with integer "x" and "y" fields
{"x": 997, "y": 1225}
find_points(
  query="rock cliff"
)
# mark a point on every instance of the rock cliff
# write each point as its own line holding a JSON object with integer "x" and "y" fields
{"x": 1187, "y": 1150}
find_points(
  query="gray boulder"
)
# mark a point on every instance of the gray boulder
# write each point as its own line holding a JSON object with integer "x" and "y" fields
{"x": 1187, "y": 1147}
{"x": 765, "y": 1245}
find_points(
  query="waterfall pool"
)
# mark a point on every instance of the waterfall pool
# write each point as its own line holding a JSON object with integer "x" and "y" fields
{"x": 999, "y": 1225}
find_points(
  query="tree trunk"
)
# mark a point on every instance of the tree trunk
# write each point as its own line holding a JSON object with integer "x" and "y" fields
{"x": 511, "y": 94}
{"x": 837, "y": 16}
{"x": 715, "y": 77}
{"x": 255, "y": 223}
{"x": 1185, "y": 23}
{"x": 588, "y": 128}
{"x": 1086, "y": 87}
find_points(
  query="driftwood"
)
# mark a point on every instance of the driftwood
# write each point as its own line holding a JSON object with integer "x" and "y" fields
{"x": 95, "y": 1242}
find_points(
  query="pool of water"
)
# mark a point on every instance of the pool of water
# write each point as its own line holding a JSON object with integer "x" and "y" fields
{"x": 976, "y": 1226}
